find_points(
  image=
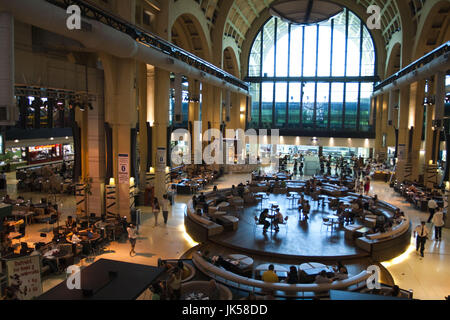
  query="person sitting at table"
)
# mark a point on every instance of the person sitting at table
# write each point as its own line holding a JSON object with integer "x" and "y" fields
{"x": 90, "y": 232}
{"x": 322, "y": 278}
{"x": 70, "y": 223}
{"x": 292, "y": 277}
{"x": 8, "y": 200}
{"x": 277, "y": 219}
{"x": 269, "y": 275}
{"x": 20, "y": 200}
{"x": 262, "y": 219}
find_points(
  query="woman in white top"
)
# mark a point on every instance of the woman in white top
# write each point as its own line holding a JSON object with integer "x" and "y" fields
{"x": 438, "y": 222}
{"x": 132, "y": 235}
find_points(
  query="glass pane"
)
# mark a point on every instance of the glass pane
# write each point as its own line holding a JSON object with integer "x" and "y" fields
{"x": 254, "y": 111}
{"x": 280, "y": 103}
{"x": 294, "y": 105}
{"x": 364, "y": 117}
{"x": 353, "y": 46}
{"x": 267, "y": 104}
{"x": 368, "y": 54}
{"x": 282, "y": 49}
{"x": 337, "y": 101}
{"x": 323, "y": 66}
{"x": 323, "y": 95}
{"x": 308, "y": 105}
{"x": 295, "y": 68}
{"x": 351, "y": 105}
{"x": 309, "y": 66}
{"x": 269, "y": 48}
{"x": 255, "y": 58}
{"x": 339, "y": 46}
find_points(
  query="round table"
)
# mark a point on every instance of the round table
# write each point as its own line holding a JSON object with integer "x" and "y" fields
{"x": 243, "y": 260}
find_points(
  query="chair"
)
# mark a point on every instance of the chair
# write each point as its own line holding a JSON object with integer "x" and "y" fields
{"x": 53, "y": 220}
{"x": 326, "y": 222}
{"x": 257, "y": 224}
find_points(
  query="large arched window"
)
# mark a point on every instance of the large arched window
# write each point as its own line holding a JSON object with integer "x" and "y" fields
{"x": 313, "y": 79}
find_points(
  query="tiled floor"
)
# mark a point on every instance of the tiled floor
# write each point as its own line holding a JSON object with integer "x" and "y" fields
{"x": 428, "y": 277}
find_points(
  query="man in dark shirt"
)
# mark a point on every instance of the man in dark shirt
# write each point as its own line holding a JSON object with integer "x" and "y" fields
{"x": 262, "y": 219}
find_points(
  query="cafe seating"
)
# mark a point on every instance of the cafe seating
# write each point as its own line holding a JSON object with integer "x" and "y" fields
{"x": 326, "y": 222}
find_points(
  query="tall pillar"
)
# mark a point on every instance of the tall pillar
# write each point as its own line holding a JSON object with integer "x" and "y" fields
{"x": 143, "y": 141}
{"x": 121, "y": 114}
{"x": 401, "y": 171}
{"x": 194, "y": 112}
{"x": 429, "y": 172}
{"x": 96, "y": 144}
{"x": 7, "y": 66}
{"x": 416, "y": 102}
{"x": 162, "y": 91}
{"x": 378, "y": 127}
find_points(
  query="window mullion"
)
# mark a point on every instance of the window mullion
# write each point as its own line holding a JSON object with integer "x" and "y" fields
{"x": 274, "y": 117}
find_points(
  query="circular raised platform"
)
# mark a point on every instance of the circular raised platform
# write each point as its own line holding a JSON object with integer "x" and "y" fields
{"x": 297, "y": 239}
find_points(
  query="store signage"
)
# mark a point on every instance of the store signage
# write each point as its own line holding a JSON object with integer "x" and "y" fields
{"x": 24, "y": 276}
{"x": 161, "y": 159}
{"x": 46, "y": 147}
{"x": 124, "y": 172}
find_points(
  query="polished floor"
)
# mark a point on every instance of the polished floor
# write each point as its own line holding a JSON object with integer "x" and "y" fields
{"x": 428, "y": 277}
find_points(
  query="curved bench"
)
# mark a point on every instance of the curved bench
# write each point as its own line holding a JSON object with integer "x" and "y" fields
{"x": 282, "y": 289}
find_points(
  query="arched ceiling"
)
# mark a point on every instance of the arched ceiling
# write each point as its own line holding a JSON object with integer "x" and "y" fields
{"x": 244, "y": 12}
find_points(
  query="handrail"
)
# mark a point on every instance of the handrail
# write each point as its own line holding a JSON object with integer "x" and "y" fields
{"x": 140, "y": 35}
{"x": 439, "y": 51}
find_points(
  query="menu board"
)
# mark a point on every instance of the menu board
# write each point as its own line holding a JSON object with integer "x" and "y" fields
{"x": 24, "y": 276}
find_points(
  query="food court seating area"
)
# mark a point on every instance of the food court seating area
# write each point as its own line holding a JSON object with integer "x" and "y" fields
{"x": 194, "y": 178}
{"x": 222, "y": 211}
{"x": 60, "y": 244}
{"x": 51, "y": 178}
{"x": 283, "y": 290}
{"x": 417, "y": 194}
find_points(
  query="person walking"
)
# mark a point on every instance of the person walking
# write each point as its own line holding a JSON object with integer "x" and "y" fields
{"x": 421, "y": 233}
{"x": 367, "y": 186}
{"x": 432, "y": 205}
{"x": 156, "y": 210}
{"x": 438, "y": 222}
{"x": 165, "y": 208}
{"x": 132, "y": 236}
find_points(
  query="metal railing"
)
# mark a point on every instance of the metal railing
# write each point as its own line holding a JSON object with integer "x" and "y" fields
{"x": 439, "y": 51}
{"x": 89, "y": 10}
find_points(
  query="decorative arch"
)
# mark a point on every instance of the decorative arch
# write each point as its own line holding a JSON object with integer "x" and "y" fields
{"x": 191, "y": 10}
{"x": 431, "y": 12}
{"x": 393, "y": 61}
{"x": 232, "y": 56}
